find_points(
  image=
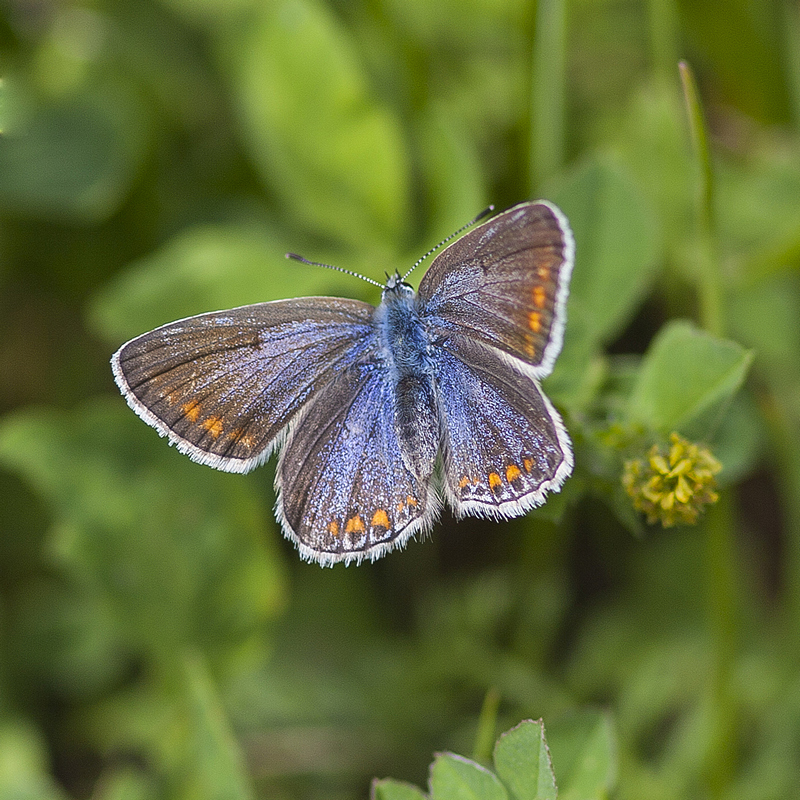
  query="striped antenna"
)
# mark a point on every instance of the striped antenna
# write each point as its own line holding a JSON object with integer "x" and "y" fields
{"x": 484, "y": 213}
{"x": 338, "y": 269}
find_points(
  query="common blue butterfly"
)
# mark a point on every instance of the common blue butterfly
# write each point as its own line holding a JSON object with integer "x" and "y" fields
{"x": 381, "y": 414}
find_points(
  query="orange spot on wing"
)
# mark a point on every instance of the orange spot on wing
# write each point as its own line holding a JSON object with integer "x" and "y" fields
{"x": 191, "y": 410}
{"x": 495, "y": 481}
{"x": 380, "y": 518}
{"x": 530, "y": 347}
{"x": 535, "y": 321}
{"x": 512, "y": 473}
{"x": 527, "y": 464}
{"x": 214, "y": 426}
{"x": 355, "y": 525}
{"x": 411, "y": 501}
{"x": 333, "y": 528}
{"x": 464, "y": 482}
{"x": 240, "y": 437}
{"x": 543, "y": 272}
{"x": 539, "y": 296}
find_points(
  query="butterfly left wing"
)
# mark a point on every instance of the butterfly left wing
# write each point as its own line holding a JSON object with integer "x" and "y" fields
{"x": 224, "y": 386}
{"x": 344, "y": 492}
{"x": 505, "y": 283}
{"x": 505, "y": 446}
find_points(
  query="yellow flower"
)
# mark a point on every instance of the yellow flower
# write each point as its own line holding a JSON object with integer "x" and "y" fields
{"x": 673, "y": 487}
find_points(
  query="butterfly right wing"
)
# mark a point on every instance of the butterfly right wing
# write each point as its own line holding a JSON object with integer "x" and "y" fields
{"x": 505, "y": 446}
{"x": 505, "y": 284}
{"x": 223, "y": 386}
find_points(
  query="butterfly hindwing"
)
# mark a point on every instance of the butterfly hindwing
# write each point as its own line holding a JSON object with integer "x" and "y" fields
{"x": 223, "y": 386}
{"x": 505, "y": 445}
{"x": 344, "y": 491}
{"x": 505, "y": 284}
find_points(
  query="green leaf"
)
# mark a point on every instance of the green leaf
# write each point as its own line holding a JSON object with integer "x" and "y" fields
{"x": 584, "y": 756}
{"x": 457, "y": 778}
{"x": 388, "y": 789}
{"x": 580, "y": 368}
{"x": 616, "y": 248}
{"x": 685, "y": 376}
{"x": 316, "y": 128}
{"x": 740, "y": 443}
{"x": 522, "y": 761}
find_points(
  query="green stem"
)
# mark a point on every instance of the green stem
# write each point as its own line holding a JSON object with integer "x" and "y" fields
{"x": 547, "y": 94}
{"x": 709, "y": 283}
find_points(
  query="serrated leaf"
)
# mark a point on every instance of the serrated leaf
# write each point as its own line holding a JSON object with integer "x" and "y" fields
{"x": 318, "y": 132}
{"x": 584, "y": 756}
{"x": 522, "y": 761}
{"x": 457, "y": 778}
{"x": 388, "y": 789}
{"x": 685, "y": 374}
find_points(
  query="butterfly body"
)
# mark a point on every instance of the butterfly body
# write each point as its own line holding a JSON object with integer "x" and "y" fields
{"x": 405, "y": 349}
{"x": 382, "y": 413}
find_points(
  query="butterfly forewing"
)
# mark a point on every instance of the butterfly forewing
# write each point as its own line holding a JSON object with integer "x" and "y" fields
{"x": 222, "y": 386}
{"x": 505, "y": 284}
{"x": 344, "y": 490}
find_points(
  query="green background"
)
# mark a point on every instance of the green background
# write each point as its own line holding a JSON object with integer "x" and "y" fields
{"x": 158, "y": 637}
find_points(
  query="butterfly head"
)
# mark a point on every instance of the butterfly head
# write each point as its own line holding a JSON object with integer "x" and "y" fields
{"x": 396, "y": 288}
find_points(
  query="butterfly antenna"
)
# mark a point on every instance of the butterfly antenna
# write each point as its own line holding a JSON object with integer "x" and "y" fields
{"x": 331, "y": 266}
{"x": 485, "y": 213}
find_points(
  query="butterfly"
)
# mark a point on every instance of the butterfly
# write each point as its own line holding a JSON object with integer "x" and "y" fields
{"x": 380, "y": 414}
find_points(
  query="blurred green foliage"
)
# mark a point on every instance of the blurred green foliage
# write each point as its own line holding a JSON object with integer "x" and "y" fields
{"x": 159, "y": 639}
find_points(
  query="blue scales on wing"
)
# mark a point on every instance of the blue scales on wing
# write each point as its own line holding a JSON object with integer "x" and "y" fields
{"x": 505, "y": 445}
{"x": 345, "y": 491}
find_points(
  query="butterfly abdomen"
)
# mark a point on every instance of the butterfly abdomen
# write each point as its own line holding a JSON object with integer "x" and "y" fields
{"x": 404, "y": 347}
